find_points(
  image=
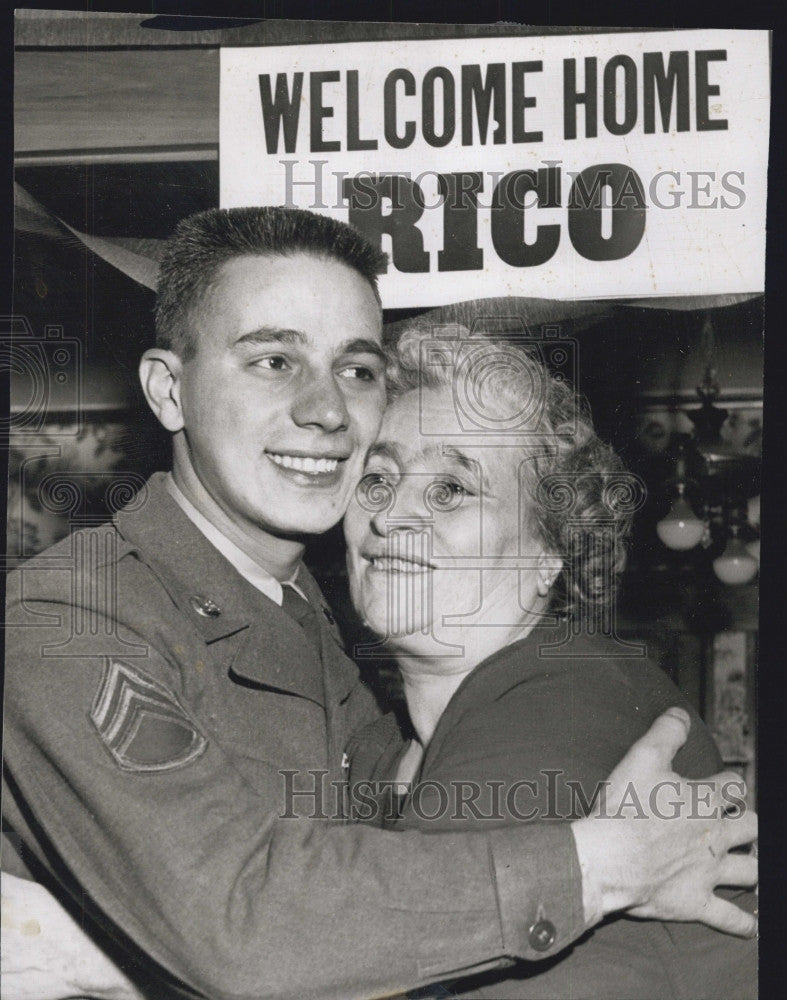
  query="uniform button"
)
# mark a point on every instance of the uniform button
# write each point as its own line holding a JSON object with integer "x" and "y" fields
{"x": 205, "y": 606}
{"x": 542, "y": 935}
{"x": 329, "y": 616}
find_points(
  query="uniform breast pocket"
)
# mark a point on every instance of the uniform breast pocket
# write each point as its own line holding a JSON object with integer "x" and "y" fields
{"x": 268, "y": 732}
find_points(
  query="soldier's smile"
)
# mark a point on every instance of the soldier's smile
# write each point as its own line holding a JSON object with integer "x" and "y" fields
{"x": 309, "y": 470}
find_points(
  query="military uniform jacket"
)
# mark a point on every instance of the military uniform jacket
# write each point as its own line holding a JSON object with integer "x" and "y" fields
{"x": 153, "y": 699}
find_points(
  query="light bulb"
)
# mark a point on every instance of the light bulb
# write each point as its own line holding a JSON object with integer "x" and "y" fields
{"x": 681, "y": 529}
{"x": 735, "y": 565}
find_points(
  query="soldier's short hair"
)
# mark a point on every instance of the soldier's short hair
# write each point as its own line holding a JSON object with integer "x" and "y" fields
{"x": 203, "y": 242}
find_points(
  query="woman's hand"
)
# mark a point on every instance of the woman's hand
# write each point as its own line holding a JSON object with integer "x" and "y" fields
{"x": 45, "y": 953}
{"x": 658, "y": 845}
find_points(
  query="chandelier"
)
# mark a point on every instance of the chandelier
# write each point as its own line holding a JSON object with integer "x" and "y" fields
{"x": 712, "y": 487}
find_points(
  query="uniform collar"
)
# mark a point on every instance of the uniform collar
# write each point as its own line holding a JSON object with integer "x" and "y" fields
{"x": 245, "y": 629}
{"x": 248, "y": 568}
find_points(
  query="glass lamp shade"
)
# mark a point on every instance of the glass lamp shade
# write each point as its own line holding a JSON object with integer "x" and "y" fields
{"x": 735, "y": 565}
{"x": 681, "y": 529}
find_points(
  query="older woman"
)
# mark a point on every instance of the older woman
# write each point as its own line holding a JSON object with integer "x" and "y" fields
{"x": 483, "y": 546}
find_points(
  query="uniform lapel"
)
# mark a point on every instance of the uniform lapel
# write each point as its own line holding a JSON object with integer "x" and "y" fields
{"x": 340, "y": 674}
{"x": 274, "y": 652}
{"x": 244, "y": 631}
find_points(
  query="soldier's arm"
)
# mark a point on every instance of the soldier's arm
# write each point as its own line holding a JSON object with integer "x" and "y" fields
{"x": 665, "y": 869}
{"x": 196, "y": 868}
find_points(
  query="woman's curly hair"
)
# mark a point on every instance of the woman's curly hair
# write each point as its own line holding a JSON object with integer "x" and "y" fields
{"x": 581, "y": 499}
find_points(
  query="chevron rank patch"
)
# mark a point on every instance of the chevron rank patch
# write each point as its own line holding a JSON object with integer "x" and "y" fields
{"x": 142, "y": 723}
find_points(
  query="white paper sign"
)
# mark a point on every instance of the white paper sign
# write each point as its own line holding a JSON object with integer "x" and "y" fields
{"x": 571, "y": 166}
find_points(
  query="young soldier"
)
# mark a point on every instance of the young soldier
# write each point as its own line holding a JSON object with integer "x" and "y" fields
{"x": 157, "y": 684}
